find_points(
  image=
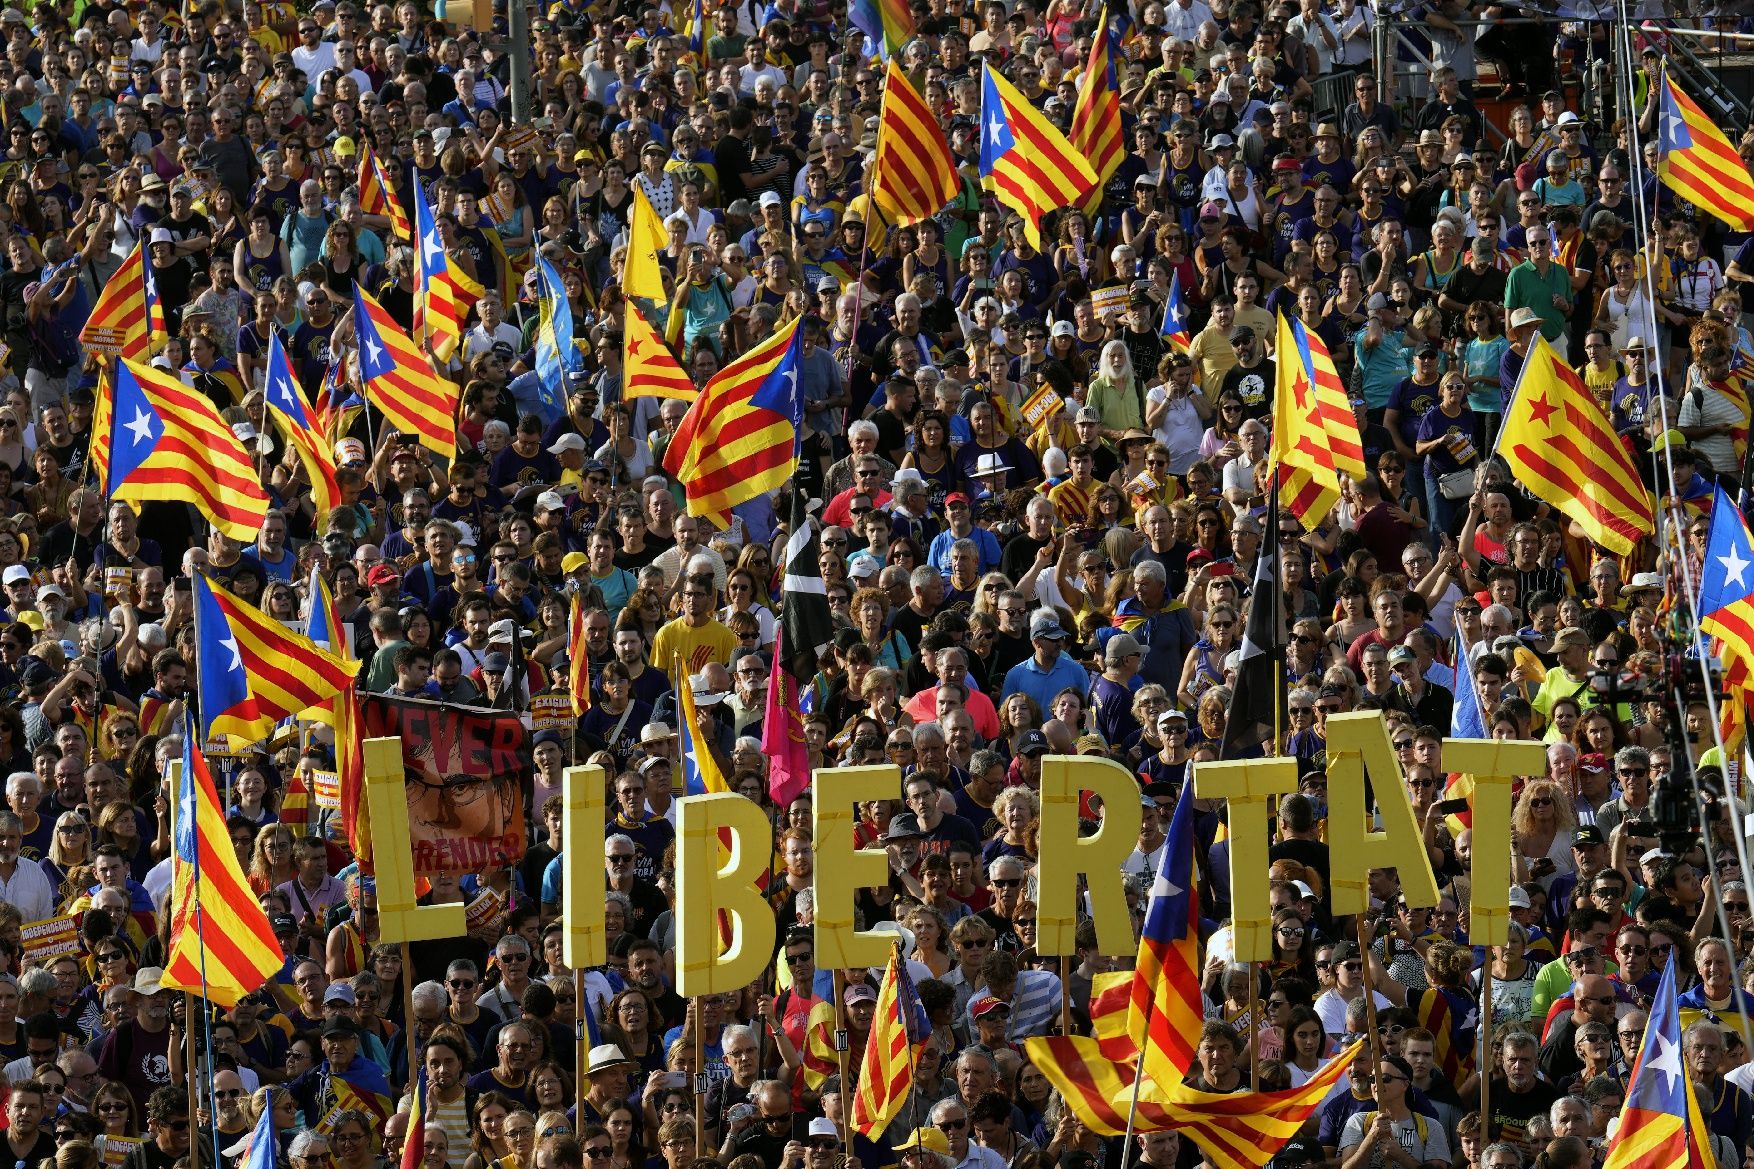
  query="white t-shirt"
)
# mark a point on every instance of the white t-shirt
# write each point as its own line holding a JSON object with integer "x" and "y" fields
{"x": 1180, "y": 430}
{"x": 1433, "y": 1145}
{"x": 1330, "y": 1008}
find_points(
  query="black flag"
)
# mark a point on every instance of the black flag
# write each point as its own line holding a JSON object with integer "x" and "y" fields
{"x": 1253, "y": 703}
{"x": 805, "y": 623}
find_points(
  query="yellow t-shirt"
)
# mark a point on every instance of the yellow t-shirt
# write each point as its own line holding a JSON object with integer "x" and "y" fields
{"x": 712, "y": 642}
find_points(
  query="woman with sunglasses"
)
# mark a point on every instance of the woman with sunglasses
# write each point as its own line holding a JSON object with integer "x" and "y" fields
{"x": 1542, "y": 825}
{"x": 13, "y": 453}
{"x": 69, "y": 850}
{"x": 113, "y": 1105}
{"x": 1204, "y": 666}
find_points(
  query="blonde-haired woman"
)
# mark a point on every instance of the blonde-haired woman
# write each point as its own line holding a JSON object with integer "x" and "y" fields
{"x": 69, "y": 849}
{"x": 1016, "y": 808}
{"x": 1542, "y": 827}
{"x": 271, "y": 860}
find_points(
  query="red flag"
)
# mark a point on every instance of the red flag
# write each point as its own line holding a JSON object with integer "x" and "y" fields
{"x": 782, "y": 730}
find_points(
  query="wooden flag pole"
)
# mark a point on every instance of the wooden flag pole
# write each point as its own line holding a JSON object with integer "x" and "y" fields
{"x": 700, "y": 1080}
{"x": 1369, "y": 995}
{"x": 1254, "y": 1027}
{"x": 408, "y": 1011}
{"x": 1065, "y": 995}
{"x": 841, "y": 1053}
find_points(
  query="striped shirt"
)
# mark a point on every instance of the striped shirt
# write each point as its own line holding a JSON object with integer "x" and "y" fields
{"x": 1035, "y": 1004}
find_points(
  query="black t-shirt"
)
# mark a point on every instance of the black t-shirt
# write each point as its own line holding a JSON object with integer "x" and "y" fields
{"x": 1019, "y": 555}
{"x": 731, "y": 160}
{"x": 1255, "y": 387}
{"x": 1512, "y": 1111}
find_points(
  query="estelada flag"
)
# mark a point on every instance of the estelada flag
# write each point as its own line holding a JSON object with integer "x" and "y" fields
{"x": 1561, "y": 448}
{"x": 221, "y": 945}
{"x": 648, "y": 368}
{"x": 164, "y": 441}
{"x": 1698, "y": 162}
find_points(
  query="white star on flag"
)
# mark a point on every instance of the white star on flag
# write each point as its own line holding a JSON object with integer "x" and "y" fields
{"x": 237, "y": 658}
{"x": 1164, "y": 887}
{"x": 140, "y": 427}
{"x": 1735, "y": 568}
{"x": 1673, "y": 126}
{"x": 430, "y": 249}
{"x": 1667, "y": 1060}
{"x": 374, "y": 350}
{"x": 994, "y": 129}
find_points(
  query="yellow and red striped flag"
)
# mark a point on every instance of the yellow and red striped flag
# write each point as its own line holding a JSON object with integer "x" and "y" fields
{"x": 399, "y": 379}
{"x": 648, "y": 368}
{"x": 127, "y": 320}
{"x": 1096, "y": 119}
{"x": 376, "y": 195}
{"x": 1309, "y": 483}
{"x": 221, "y": 945}
{"x": 913, "y": 175}
{"x": 898, "y": 1030}
{"x": 98, "y": 457}
{"x": 297, "y": 422}
{"x": 729, "y": 447}
{"x": 166, "y": 441}
{"x": 1164, "y": 1004}
{"x": 820, "y": 1059}
{"x": 414, "y": 1146}
{"x": 1699, "y": 163}
{"x": 356, "y": 823}
{"x": 443, "y": 292}
{"x": 1333, "y": 404}
{"x": 254, "y": 670}
{"x": 578, "y": 666}
{"x": 1560, "y": 447}
{"x": 1242, "y": 1130}
{"x": 1027, "y": 163}
{"x": 1111, "y": 996}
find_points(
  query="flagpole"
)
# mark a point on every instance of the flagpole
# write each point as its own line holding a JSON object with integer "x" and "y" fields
{"x": 1065, "y": 995}
{"x": 913, "y": 1074}
{"x": 1369, "y": 987}
{"x": 581, "y": 1045}
{"x": 841, "y": 1053}
{"x": 1483, "y": 1060}
{"x": 1138, "y": 1075}
{"x": 700, "y": 1079}
{"x": 192, "y": 727}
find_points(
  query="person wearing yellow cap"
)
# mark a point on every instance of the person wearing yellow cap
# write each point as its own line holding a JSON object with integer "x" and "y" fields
{"x": 925, "y": 1148}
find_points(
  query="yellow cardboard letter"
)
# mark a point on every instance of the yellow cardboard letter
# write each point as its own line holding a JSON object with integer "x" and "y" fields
{"x": 1358, "y": 745}
{"x": 400, "y": 919}
{"x": 841, "y": 869}
{"x": 704, "y": 890}
{"x": 583, "y": 945}
{"x": 1494, "y": 764}
{"x": 1249, "y": 786}
{"x": 1065, "y": 857}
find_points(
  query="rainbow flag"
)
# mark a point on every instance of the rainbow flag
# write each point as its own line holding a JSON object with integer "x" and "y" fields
{"x": 888, "y": 24}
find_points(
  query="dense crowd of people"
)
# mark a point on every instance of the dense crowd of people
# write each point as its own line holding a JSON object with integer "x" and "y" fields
{"x": 1001, "y": 588}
